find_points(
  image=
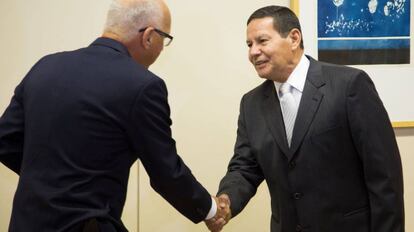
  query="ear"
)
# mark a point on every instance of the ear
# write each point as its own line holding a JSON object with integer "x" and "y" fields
{"x": 295, "y": 37}
{"x": 147, "y": 37}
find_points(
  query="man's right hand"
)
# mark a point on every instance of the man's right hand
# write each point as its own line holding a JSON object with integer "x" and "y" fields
{"x": 223, "y": 214}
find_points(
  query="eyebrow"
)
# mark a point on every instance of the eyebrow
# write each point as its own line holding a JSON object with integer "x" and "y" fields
{"x": 261, "y": 36}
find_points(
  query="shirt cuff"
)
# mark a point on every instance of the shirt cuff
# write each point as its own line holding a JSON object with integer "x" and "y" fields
{"x": 213, "y": 209}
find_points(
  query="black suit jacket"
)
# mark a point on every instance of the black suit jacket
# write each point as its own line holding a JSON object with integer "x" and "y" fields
{"x": 75, "y": 125}
{"x": 343, "y": 170}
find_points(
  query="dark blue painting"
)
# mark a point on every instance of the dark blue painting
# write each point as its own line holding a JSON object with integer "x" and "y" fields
{"x": 364, "y": 31}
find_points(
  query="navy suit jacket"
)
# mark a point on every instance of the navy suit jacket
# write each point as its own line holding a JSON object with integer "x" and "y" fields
{"x": 75, "y": 125}
{"x": 342, "y": 171}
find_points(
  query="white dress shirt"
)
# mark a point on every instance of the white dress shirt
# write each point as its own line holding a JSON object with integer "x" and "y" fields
{"x": 213, "y": 209}
{"x": 296, "y": 79}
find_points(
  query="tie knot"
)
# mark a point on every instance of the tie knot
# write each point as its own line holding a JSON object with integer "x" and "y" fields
{"x": 285, "y": 88}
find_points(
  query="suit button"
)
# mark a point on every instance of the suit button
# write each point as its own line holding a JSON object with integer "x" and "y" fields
{"x": 292, "y": 165}
{"x": 297, "y": 196}
{"x": 298, "y": 228}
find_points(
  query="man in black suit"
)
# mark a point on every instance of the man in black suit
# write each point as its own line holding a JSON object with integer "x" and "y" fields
{"x": 80, "y": 119}
{"x": 318, "y": 134}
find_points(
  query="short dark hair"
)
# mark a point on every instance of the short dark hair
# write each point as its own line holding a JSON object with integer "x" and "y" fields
{"x": 284, "y": 19}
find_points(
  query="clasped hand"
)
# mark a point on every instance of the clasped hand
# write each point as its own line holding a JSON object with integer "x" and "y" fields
{"x": 223, "y": 214}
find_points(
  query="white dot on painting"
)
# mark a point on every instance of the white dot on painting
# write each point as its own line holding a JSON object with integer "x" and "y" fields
{"x": 338, "y": 2}
{"x": 372, "y": 6}
{"x": 386, "y": 11}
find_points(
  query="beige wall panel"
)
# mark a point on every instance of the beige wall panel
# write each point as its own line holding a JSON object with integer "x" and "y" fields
{"x": 405, "y": 139}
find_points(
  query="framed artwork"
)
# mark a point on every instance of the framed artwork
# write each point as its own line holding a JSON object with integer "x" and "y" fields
{"x": 373, "y": 35}
{"x": 355, "y": 32}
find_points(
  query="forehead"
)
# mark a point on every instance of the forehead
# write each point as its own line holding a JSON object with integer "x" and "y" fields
{"x": 260, "y": 27}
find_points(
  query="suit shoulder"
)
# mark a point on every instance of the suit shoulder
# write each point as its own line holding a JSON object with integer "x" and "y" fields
{"x": 109, "y": 63}
{"x": 340, "y": 71}
{"x": 341, "y": 76}
{"x": 258, "y": 90}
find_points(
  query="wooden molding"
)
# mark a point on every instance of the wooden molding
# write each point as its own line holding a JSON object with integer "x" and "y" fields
{"x": 403, "y": 124}
{"x": 294, "y": 5}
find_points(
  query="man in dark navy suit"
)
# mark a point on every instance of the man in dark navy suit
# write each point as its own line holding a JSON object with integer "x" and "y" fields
{"x": 80, "y": 119}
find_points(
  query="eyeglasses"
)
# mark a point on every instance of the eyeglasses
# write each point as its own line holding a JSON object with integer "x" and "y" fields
{"x": 167, "y": 37}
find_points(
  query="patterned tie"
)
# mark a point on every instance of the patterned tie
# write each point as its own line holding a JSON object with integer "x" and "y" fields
{"x": 289, "y": 109}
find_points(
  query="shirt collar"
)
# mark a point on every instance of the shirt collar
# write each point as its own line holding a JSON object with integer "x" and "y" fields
{"x": 298, "y": 77}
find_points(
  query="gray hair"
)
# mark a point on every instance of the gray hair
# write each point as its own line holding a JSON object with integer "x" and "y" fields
{"x": 126, "y": 18}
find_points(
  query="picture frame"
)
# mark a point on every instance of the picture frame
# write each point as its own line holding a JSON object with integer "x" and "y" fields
{"x": 394, "y": 82}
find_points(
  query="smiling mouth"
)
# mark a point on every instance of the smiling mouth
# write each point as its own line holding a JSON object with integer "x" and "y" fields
{"x": 260, "y": 63}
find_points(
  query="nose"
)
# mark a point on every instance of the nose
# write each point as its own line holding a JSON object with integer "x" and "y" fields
{"x": 254, "y": 51}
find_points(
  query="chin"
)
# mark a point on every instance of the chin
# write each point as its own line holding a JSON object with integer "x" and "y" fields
{"x": 264, "y": 76}
{"x": 264, "y": 73}
{"x": 271, "y": 78}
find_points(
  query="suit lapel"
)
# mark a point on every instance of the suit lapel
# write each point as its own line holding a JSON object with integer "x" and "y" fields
{"x": 309, "y": 104}
{"x": 273, "y": 116}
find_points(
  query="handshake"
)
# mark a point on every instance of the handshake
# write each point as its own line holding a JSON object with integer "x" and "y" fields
{"x": 223, "y": 214}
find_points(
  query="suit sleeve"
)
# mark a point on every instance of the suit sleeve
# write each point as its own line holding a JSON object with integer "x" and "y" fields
{"x": 169, "y": 176}
{"x": 376, "y": 144}
{"x": 244, "y": 174}
{"x": 12, "y": 132}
